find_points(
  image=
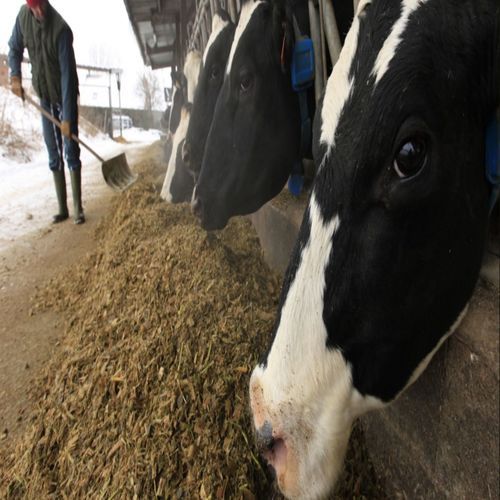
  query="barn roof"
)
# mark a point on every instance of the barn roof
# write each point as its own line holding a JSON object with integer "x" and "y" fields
{"x": 160, "y": 29}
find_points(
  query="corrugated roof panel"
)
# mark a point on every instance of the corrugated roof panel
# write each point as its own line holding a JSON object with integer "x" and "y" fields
{"x": 156, "y": 25}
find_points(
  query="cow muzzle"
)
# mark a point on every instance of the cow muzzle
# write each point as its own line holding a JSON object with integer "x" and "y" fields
{"x": 273, "y": 443}
{"x": 210, "y": 218}
{"x": 197, "y": 206}
{"x": 273, "y": 449}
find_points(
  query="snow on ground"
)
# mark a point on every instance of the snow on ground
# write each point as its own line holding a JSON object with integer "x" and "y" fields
{"x": 27, "y": 194}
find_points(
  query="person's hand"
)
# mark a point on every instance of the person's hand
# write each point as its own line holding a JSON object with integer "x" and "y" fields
{"x": 16, "y": 86}
{"x": 65, "y": 129}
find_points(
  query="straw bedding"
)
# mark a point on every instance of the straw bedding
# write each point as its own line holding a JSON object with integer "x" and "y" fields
{"x": 146, "y": 395}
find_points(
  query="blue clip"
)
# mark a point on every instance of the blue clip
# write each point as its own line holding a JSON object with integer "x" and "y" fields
{"x": 296, "y": 179}
{"x": 302, "y": 67}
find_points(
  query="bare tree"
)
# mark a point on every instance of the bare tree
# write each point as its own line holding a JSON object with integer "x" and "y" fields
{"x": 148, "y": 88}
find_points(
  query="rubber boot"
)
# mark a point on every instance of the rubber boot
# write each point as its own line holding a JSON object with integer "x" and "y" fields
{"x": 76, "y": 187}
{"x": 60, "y": 183}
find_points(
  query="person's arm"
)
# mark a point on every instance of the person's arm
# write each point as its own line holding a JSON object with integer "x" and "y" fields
{"x": 69, "y": 81}
{"x": 16, "y": 50}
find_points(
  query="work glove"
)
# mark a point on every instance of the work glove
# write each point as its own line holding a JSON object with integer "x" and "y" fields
{"x": 16, "y": 86}
{"x": 65, "y": 129}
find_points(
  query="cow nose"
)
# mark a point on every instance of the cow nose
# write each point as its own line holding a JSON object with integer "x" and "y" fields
{"x": 264, "y": 437}
{"x": 186, "y": 153}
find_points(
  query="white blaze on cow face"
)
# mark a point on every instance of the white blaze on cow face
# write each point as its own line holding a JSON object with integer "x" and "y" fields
{"x": 339, "y": 85}
{"x": 191, "y": 71}
{"x": 166, "y": 192}
{"x": 394, "y": 39}
{"x": 305, "y": 391}
{"x": 246, "y": 13}
{"x": 218, "y": 24}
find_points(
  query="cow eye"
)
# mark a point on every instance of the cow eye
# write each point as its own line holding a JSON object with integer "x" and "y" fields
{"x": 214, "y": 72}
{"x": 246, "y": 81}
{"x": 411, "y": 157}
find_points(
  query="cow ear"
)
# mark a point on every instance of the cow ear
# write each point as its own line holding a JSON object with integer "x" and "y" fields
{"x": 282, "y": 34}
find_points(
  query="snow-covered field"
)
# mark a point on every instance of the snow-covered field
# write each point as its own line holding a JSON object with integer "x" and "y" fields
{"x": 27, "y": 194}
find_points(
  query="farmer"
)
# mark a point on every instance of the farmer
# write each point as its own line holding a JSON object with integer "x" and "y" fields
{"x": 49, "y": 40}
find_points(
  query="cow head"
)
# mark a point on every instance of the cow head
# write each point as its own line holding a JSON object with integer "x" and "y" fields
{"x": 209, "y": 85}
{"x": 178, "y": 184}
{"x": 391, "y": 242}
{"x": 254, "y": 137}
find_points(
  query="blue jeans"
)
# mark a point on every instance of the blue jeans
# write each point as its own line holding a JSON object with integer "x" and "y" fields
{"x": 54, "y": 141}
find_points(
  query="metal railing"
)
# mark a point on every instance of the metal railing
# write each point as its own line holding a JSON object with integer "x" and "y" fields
{"x": 323, "y": 25}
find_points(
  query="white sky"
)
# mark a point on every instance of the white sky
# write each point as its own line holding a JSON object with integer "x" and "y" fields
{"x": 103, "y": 36}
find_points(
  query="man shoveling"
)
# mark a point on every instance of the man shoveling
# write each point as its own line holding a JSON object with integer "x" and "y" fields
{"x": 49, "y": 40}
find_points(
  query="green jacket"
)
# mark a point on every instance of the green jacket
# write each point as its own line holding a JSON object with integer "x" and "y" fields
{"x": 50, "y": 50}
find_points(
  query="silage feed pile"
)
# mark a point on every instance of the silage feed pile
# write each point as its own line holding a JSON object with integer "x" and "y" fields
{"x": 146, "y": 397}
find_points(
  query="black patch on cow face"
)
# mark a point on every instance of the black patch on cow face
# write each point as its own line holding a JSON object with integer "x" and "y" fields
{"x": 409, "y": 247}
{"x": 182, "y": 185}
{"x": 254, "y": 137}
{"x": 209, "y": 85}
{"x": 344, "y": 12}
{"x": 407, "y": 253}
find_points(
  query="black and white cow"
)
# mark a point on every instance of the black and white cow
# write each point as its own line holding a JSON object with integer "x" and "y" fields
{"x": 391, "y": 243}
{"x": 209, "y": 84}
{"x": 179, "y": 183}
{"x": 254, "y": 138}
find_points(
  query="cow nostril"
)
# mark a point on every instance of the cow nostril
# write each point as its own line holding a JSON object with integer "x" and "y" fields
{"x": 264, "y": 437}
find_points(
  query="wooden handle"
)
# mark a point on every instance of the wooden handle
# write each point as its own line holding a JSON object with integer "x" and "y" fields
{"x": 58, "y": 124}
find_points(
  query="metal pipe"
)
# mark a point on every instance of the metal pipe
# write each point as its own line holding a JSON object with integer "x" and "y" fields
{"x": 119, "y": 85}
{"x": 231, "y": 4}
{"x": 110, "y": 107}
{"x": 204, "y": 35}
{"x": 208, "y": 21}
{"x": 322, "y": 37}
{"x": 315, "y": 36}
{"x": 331, "y": 31}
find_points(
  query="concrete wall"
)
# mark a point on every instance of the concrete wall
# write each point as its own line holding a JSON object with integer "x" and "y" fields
{"x": 441, "y": 438}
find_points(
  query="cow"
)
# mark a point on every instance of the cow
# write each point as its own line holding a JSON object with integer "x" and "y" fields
{"x": 209, "y": 84}
{"x": 392, "y": 238}
{"x": 179, "y": 183}
{"x": 254, "y": 137}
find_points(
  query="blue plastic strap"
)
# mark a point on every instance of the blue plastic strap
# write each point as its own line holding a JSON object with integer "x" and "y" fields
{"x": 306, "y": 125}
{"x": 296, "y": 179}
{"x": 492, "y": 159}
{"x": 302, "y": 73}
{"x": 302, "y": 67}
